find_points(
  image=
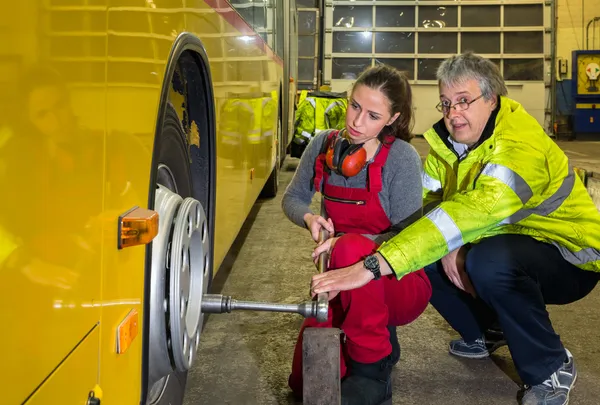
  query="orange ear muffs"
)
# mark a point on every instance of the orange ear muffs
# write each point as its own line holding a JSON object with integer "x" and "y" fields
{"x": 345, "y": 158}
{"x": 353, "y": 160}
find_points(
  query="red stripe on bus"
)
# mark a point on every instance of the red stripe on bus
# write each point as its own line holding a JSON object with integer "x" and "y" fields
{"x": 232, "y": 17}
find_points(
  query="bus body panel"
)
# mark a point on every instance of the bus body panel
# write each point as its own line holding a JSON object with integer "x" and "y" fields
{"x": 290, "y": 68}
{"x": 76, "y": 153}
{"x": 75, "y": 378}
{"x": 242, "y": 74}
{"x": 52, "y": 179}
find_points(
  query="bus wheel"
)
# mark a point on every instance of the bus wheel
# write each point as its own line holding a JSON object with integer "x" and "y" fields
{"x": 272, "y": 185}
{"x": 180, "y": 269}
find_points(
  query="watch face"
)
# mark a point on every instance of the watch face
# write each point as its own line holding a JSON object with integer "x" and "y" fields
{"x": 371, "y": 262}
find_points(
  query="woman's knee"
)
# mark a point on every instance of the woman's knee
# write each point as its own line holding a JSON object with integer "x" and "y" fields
{"x": 350, "y": 248}
{"x": 422, "y": 294}
{"x": 426, "y": 287}
{"x": 408, "y": 297}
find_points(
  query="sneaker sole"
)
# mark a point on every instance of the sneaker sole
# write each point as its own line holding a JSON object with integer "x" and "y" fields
{"x": 491, "y": 349}
{"x": 571, "y": 388}
{"x": 469, "y": 355}
{"x": 568, "y": 392}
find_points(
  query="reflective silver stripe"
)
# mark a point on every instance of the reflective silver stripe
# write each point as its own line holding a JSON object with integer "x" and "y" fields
{"x": 549, "y": 205}
{"x": 431, "y": 184}
{"x": 329, "y": 107}
{"x": 311, "y": 101}
{"x": 254, "y": 136}
{"x": 583, "y": 256}
{"x": 230, "y": 133}
{"x": 447, "y": 227}
{"x": 333, "y": 105}
{"x": 247, "y": 106}
{"x": 305, "y": 134}
{"x": 511, "y": 179}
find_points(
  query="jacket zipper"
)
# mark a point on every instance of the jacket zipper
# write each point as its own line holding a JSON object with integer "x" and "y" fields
{"x": 340, "y": 200}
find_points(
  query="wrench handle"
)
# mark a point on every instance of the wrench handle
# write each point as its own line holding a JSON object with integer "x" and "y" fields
{"x": 323, "y": 236}
{"x": 323, "y": 298}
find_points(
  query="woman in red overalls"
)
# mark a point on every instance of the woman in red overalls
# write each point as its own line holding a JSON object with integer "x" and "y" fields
{"x": 367, "y": 199}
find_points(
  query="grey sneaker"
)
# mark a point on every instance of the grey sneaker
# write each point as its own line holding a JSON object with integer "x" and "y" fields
{"x": 469, "y": 350}
{"x": 479, "y": 348}
{"x": 555, "y": 390}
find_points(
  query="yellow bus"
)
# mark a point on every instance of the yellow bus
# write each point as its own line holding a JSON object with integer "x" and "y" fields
{"x": 135, "y": 136}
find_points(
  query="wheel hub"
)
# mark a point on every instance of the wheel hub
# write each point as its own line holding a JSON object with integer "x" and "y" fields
{"x": 188, "y": 270}
{"x": 179, "y": 276}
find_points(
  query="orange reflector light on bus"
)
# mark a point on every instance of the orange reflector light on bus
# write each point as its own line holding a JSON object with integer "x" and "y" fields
{"x": 127, "y": 331}
{"x": 138, "y": 226}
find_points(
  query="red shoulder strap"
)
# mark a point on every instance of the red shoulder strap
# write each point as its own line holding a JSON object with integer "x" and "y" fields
{"x": 375, "y": 183}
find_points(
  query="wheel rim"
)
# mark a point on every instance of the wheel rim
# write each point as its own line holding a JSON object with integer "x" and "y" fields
{"x": 166, "y": 204}
{"x": 188, "y": 270}
{"x": 166, "y": 178}
{"x": 179, "y": 277}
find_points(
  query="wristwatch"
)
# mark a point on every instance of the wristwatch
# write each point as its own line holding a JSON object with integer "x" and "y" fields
{"x": 372, "y": 264}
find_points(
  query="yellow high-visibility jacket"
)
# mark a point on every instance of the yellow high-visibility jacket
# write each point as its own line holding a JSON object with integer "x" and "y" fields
{"x": 317, "y": 112}
{"x": 515, "y": 181}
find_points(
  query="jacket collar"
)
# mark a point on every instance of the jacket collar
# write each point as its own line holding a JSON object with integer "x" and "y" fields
{"x": 444, "y": 135}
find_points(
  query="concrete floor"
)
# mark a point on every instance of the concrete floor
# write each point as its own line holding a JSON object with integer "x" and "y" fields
{"x": 244, "y": 357}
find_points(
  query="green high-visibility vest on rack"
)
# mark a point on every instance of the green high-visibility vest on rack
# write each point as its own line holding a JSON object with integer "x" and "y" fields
{"x": 317, "y": 112}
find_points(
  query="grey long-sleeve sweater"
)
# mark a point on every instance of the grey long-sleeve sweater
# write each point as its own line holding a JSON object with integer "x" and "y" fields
{"x": 400, "y": 197}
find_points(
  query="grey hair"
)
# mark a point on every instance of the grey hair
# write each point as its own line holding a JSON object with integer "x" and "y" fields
{"x": 460, "y": 68}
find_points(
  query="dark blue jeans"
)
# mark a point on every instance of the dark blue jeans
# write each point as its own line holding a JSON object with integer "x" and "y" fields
{"x": 515, "y": 277}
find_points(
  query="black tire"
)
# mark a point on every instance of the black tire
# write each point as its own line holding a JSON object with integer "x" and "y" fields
{"x": 191, "y": 168}
{"x": 173, "y": 153}
{"x": 272, "y": 185}
{"x": 173, "y": 391}
{"x": 283, "y": 138}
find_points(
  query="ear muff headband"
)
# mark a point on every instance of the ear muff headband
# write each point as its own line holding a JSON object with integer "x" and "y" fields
{"x": 339, "y": 146}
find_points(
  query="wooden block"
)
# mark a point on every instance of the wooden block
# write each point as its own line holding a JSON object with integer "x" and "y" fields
{"x": 321, "y": 366}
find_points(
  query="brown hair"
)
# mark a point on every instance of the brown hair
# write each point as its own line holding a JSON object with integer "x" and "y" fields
{"x": 394, "y": 85}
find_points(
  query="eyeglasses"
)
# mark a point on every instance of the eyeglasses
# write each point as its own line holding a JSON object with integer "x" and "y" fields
{"x": 460, "y": 106}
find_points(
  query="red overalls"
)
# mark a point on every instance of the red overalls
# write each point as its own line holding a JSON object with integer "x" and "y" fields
{"x": 363, "y": 313}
